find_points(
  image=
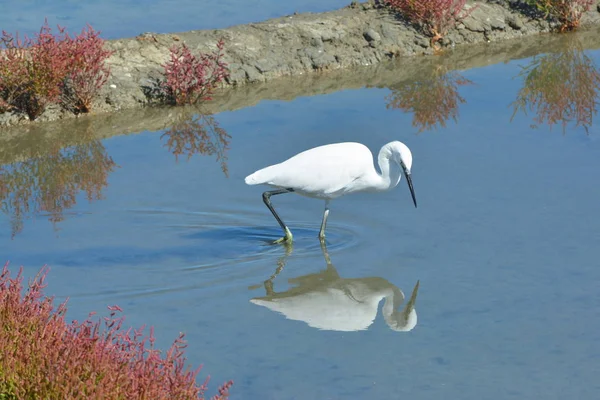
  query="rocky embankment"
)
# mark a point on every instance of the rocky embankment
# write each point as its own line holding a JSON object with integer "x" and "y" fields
{"x": 361, "y": 34}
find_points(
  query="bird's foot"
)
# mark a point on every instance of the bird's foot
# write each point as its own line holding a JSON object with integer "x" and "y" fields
{"x": 288, "y": 238}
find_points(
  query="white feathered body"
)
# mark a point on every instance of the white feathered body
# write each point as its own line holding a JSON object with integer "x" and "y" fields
{"x": 329, "y": 308}
{"x": 342, "y": 304}
{"x": 323, "y": 172}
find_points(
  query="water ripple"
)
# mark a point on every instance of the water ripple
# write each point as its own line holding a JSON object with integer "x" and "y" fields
{"x": 207, "y": 250}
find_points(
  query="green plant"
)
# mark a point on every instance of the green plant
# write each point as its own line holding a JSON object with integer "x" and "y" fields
{"x": 567, "y": 12}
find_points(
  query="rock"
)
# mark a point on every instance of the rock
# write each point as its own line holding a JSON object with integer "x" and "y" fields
{"x": 422, "y": 41}
{"x": 316, "y": 42}
{"x": 329, "y": 35}
{"x": 515, "y": 22}
{"x": 265, "y": 65}
{"x": 497, "y": 23}
{"x": 252, "y": 73}
{"x": 388, "y": 31}
{"x": 372, "y": 36}
{"x": 474, "y": 25}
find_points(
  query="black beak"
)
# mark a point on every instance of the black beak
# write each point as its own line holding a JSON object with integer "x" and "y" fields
{"x": 410, "y": 186}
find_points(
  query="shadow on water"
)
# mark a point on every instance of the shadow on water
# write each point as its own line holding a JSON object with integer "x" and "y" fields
{"x": 53, "y": 171}
{"x": 560, "y": 87}
{"x": 327, "y": 301}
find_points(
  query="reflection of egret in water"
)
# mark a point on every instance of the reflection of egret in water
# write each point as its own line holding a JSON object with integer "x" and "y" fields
{"x": 433, "y": 98}
{"x": 327, "y": 301}
{"x": 198, "y": 133}
{"x": 560, "y": 87}
{"x": 50, "y": 182}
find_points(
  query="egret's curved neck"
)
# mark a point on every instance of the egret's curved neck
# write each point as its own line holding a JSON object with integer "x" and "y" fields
{"x": 404, "y": 320}
{"x": 390, "y": 169}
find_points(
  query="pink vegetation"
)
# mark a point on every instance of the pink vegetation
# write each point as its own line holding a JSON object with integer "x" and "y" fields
{"x": 43, "y": 356}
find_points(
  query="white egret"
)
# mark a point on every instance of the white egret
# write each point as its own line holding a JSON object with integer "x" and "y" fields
{"x": 334, "y": 170}
{"x": 326, "y": 301}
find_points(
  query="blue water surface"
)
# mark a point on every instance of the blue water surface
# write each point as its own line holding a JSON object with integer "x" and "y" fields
{"x": 504, "y": 245}
{"x": 128, "y": 18}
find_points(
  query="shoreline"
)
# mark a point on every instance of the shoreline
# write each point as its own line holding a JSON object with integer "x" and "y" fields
{"x": 303, "y": 45}
{"x": 26, "y": 141}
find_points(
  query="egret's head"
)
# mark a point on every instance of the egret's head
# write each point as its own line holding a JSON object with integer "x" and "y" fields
{"x": 403, "y": 156}
{"x": 404, "y": 320}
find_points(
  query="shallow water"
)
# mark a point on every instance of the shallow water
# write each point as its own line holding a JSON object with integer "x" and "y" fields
{"x": 128, "y": 18}
{"x": 504, "y": 243}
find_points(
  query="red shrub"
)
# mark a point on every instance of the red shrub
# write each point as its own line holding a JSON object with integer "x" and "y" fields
{"x": 435, "y": 16}
{"x": 13, "y": 73}
{"x": 567, "y": 12}
{"x": 32, "y": 71}
{"x": 190, "y": 78}
{"x": 36, "y": 72}
{"x": 87, "y": 72}
{"x": 41, "y": 356}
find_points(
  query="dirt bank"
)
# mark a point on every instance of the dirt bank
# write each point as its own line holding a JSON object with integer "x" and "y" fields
{"x": 298, "y": 45}
{"x": 23, "y": 142}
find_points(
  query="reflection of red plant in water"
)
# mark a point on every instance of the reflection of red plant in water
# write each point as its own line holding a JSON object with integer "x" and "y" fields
{"x": 435, "y": 16}
{"x": 560, "y": 87}
{"x": 432, "y": 100}
{"x": 45, "y": 357}
{"x": 199, "y": 133}
{"x": 50, "y": 183}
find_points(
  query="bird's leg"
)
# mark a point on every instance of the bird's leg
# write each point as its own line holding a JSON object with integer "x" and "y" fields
{"x": 331, "y": 272}
{"x": 268, "y": 284}
{"x": 267, "y": 200}
{"x": 324, "y": 223}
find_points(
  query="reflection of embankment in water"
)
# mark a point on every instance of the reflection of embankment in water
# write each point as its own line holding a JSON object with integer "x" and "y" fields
{"x": 327, "y": 301}
{"x": 560, "y": 86}
{"x": 385, "y": 75}
{"x": 55, "y": 169}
